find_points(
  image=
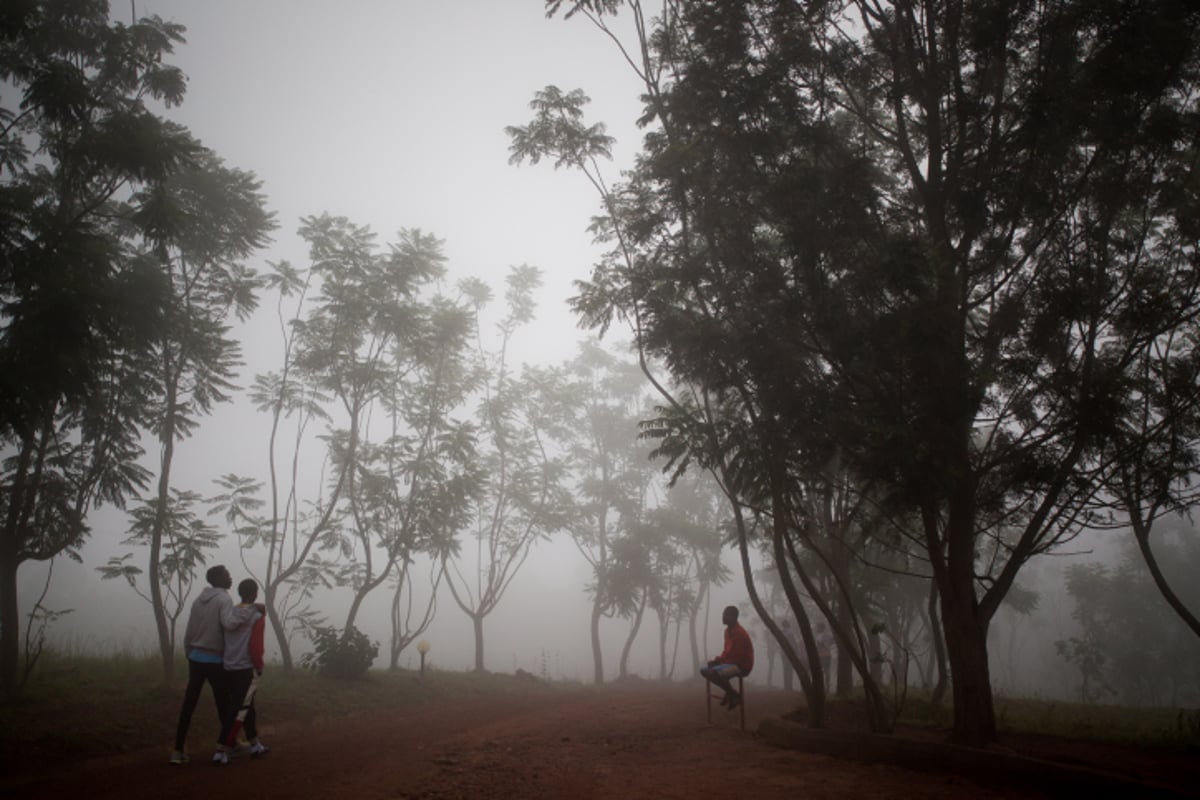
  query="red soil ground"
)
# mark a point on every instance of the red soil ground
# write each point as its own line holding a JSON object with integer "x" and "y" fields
{"x": 626, "y": 743}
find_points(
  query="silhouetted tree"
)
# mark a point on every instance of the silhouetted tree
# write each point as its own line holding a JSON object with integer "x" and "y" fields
{"x": 940, "y": 236}
{"x": 101, "y": 205}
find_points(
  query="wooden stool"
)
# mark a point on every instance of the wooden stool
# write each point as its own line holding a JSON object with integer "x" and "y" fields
{"x": 708, "y": 698}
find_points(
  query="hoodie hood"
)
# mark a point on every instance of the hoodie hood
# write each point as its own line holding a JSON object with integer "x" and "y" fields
{"x": 204, "y": 628}
{"x": 209, "y": 593}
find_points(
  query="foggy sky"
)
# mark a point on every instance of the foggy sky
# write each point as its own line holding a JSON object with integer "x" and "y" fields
{"x": 392, "y": 114}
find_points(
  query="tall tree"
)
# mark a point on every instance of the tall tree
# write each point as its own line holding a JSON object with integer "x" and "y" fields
{"x": 293, "y": 531}
{"x": 84, "y": 293}
{"x": 923, "y": 231}
{"x": 379, "y": 356}
{"x": 613, "y": 486}
{"x": 413, "y": 477}
{"x": 520, "y": 500}
{"x": 203, "y": 222}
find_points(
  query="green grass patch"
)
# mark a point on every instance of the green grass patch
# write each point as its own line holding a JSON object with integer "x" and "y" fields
{"x": 1168, "y": 728}
{"x": 1128, "y": 725}
{"x": 1149, "y": 727}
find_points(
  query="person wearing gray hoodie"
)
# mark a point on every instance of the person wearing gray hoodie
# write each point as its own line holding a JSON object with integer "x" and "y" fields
{"x": 212, "y": 614}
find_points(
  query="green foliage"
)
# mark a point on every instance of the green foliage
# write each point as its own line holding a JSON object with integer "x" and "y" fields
{"x": 1089, "y": 659}
{"x": 1130, "y": 644}
{"x": 340, "y": 654}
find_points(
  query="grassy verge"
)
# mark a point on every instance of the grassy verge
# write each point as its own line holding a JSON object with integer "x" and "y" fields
{"x": 78, "y": 707}
{"x": 1127, "y": 725}
{"x": 1152, "y": 727}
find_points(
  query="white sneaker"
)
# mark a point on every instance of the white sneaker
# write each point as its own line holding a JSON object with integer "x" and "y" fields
{"x": 258, "y": 749}
{"x": 221, "y": 758}
{"x": 179, "y": 757}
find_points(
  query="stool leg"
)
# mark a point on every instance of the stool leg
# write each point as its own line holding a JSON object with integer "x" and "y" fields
{"x": 742, "y": 705}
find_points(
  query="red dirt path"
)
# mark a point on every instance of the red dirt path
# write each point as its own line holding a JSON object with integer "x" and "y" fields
{"x": 648, "y": 742}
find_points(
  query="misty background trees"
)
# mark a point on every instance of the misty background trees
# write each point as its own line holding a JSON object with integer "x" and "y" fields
{"x": 912, "y": 297}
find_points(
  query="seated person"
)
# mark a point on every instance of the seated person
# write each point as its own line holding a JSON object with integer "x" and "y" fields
{"x": 736, "y": 659}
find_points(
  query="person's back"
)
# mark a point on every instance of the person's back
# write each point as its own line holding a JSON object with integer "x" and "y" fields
{"x": 739, "y": 650}
{"x": 204, "y": 634}
{"x": 243, "y": 663}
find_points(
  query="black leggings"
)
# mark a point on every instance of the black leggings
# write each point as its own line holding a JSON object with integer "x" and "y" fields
{"x": 198, "y": 673}
{"x": 239, "y": 682}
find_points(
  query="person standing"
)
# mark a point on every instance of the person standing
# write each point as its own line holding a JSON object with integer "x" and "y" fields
{"x": 211, "y": 615}
{"x": 825, "y": 651}
{"x": 243, "y": 665}
{"x": 737, "y": 659}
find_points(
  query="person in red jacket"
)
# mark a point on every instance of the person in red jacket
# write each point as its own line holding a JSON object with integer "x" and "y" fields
{"x": 243, "y": 665}
{"x": 736, "y": 659}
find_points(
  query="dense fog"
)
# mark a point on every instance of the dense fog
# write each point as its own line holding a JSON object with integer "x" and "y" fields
{"x": 385, "y": 130}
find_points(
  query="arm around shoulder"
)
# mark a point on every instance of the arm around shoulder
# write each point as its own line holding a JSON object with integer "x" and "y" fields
{"x": 234, "y": 617}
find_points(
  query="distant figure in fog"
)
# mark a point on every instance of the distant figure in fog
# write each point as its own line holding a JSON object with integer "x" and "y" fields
{"x": 825, "y": 651}
{"x": 736, "y": 659}
{"x": 788, "y": 672}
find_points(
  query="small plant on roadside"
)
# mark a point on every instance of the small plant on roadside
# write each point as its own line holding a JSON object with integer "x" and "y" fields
{"x": 340, "y": 654}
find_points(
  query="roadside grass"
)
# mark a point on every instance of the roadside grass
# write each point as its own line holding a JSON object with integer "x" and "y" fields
{"x": 79, "y": 706}
{"x": 1174, "y": 728}
{"x": 1146, "y": 727}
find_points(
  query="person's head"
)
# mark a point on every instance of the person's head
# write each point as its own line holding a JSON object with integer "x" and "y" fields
{"x": 730, "y": 615}
{"x": 248, "y": 590}
{"x": 219, "y": 577}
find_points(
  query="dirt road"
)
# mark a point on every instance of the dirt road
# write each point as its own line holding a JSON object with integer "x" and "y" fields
{"x": 626, "y": 744}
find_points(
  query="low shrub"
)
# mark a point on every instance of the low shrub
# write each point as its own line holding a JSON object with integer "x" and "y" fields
{"x": 344, "y": 654}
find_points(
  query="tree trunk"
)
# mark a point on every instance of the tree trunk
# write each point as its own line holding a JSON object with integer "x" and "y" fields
{"x": 875, "y": 656}
{"x": 663, "y": 629}
{"x": 623, "y": 669}
{"x": 963, "y": 619}
{"x": 966, "y": 645}
{"x": 811, "y": 681}
{"x": 693, "y": 616}
{"x": 477, "y": 623}
{"x": 845, "y": 662}
{"x": 166, "y": 649}
{"x": 166, "y": 439}
{"x": 597, "y": 656}
{"x": 1142, "y": 534}
{"x": 10, "y": 621}
{"x": 939, "y": 647}
{"x": 285, "y": 651}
